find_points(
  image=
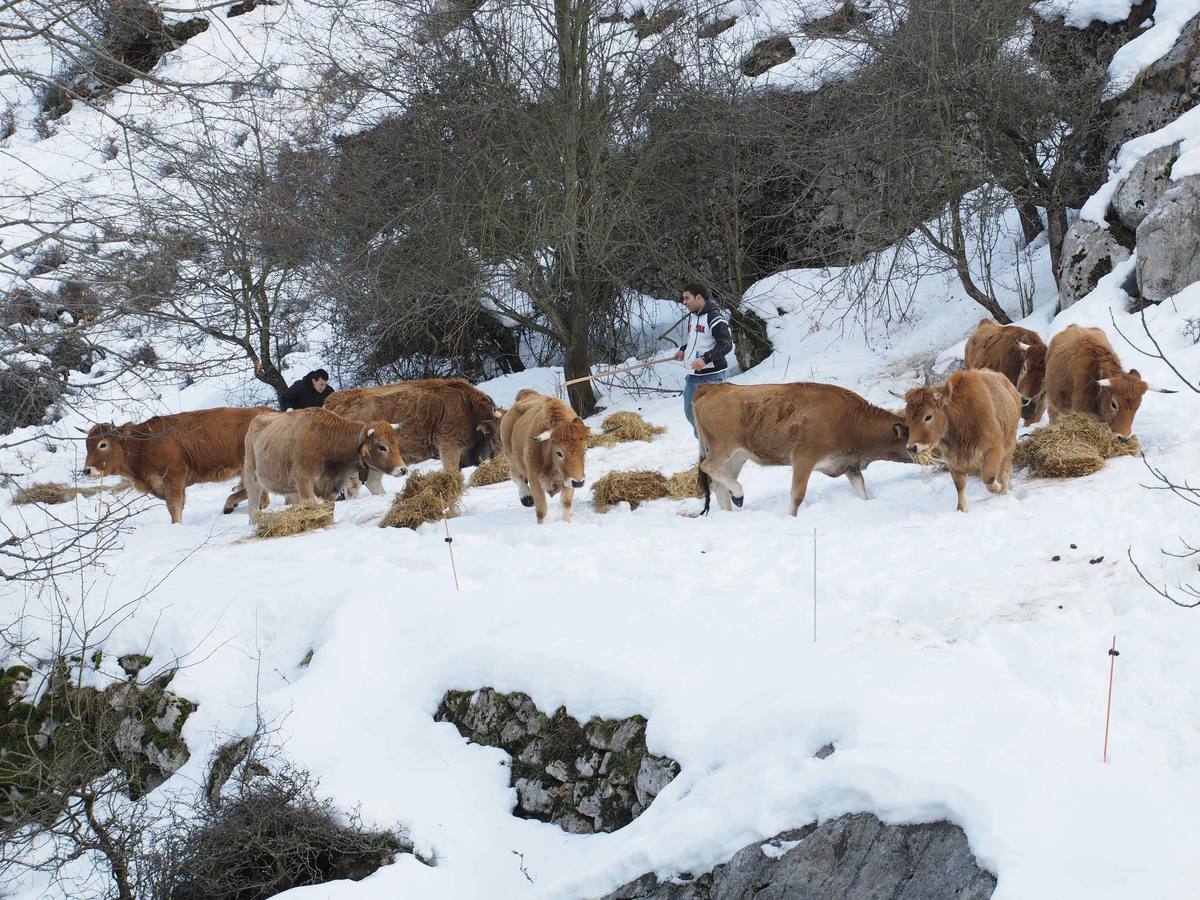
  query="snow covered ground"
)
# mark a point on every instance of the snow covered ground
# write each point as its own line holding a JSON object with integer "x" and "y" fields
{"x": 960, "y": 671}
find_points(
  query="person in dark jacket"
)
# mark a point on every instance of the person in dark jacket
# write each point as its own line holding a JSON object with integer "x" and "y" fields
{"x": 311, "y": 390}
{"x": 709, "y": 342}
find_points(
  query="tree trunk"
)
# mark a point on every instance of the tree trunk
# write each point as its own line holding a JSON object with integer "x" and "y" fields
{"x": 1056, "y": 217}
{"x": 576, "y": 364}
{"x": 269, "y": 375}
{"x": 1031, "y": 222}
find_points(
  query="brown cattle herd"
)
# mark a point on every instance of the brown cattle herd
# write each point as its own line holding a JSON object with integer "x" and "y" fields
{"x": 364, "y": 433}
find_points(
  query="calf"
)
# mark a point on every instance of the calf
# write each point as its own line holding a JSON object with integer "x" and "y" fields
{"x": 804, "y": 425}
{"x": 1084, "y": 374}
{"x": 309, "y": 453}
{"x": 545, "y": 443}
{"x": 167, "y": 454}
{"x": 1017, "y": 353}
{"x": 972, "y": 419}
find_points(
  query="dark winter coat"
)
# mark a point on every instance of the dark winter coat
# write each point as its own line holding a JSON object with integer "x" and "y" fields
{"x": 302, "y": 394}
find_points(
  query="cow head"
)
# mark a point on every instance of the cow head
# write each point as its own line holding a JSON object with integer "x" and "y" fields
{"x": 566, "y": 445}
{"x": 1031, "y": 381}
{"x": 925, "y": 420}
{"x": 1120, "y": 396}
{"x": 379, "y": 448}
{"x": 487, "y": 440}
{"x": 106, "y": 450}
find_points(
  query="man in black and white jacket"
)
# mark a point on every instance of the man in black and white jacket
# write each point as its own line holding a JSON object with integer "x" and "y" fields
{"x": 709, "y": 342}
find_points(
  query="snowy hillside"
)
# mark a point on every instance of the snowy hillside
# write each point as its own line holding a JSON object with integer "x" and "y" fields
{"x": 958, "y": 663}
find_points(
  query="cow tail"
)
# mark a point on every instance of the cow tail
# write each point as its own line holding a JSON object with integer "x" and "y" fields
{"x": 705, "y": 483}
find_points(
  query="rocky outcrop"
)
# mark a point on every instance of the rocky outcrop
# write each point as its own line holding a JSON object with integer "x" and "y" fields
{"x": 1089, "y": 253}
{"x": 1140, "y": 191}
{"x": 1168, "y": 242}
{"x": 584, "y": 778}
{"x": 855, "y": 857}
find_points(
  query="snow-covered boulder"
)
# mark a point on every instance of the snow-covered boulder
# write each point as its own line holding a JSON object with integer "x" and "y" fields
{"x": 850, "y": 858}
{"x": 1140, "y": 191}
{"x": 1089, "y": 253}
{"x": 1168, "y": 242}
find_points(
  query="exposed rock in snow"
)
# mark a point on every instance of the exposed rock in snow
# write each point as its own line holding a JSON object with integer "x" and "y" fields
{"x": 851, "y": 858}
{"x": 1141, "y": 190}
{"x": 583, "y": 778}
{"x": 1089, "y": 253}
{"x": 766, "y": 55}
{"x": 1168, "y": 242}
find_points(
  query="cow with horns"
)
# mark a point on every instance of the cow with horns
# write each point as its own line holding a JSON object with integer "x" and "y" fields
{"x": 1017, "y": 353}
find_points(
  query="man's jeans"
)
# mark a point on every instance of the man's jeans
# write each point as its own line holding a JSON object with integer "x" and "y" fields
{"x": 689, "y": 391}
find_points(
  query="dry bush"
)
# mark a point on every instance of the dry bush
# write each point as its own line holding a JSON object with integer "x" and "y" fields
{"x": 426, "y": 498}
{"x": 295, "y": 519}
{"x": 1075, "y": 445}
{"x": 491, "y": 471}
{"x": 622, "y": 427}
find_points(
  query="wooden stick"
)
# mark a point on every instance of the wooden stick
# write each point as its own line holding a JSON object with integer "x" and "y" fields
{"x": 652, "y": 362}
{"x": 1112, "y": 664}
{"x": 450, "y": 545}
{"x": 678, "y": 322}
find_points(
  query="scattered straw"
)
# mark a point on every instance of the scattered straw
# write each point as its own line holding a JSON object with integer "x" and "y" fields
{"x": 295, "y": 519}
{"x": 1077, "y": 444}
{"x": 685, "y": 485}
{"x": 622, "y": 427}
{"x": 426, "y": 498}
{"x": 632, "y": 487}
{"x": 50, "y": 493}
{"x": 492, "y": 471}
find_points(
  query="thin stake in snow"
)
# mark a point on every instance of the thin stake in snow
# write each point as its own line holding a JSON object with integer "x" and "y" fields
{"x": 1112, "y": 664}
{"x": 814, "y": 585}
{"x": 450, "y": 545}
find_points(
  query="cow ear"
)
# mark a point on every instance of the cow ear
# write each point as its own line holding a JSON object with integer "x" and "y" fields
{"x": 900, "y": 430}
{"x": 1135, "y": 373}
{"x": 939, "y": 395}
{"x": 541, "y": 438}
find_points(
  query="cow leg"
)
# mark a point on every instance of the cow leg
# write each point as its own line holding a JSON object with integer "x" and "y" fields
{"x": 801, "y": 472}
{"x": 305, "y": 489}
{"x": 990, "y": 471}
{"x": 568, "y": 498}
{"x": 451, "y": 457}
{"x": 1005, "y": 473}
{"x": 522, "y": 490}
{"x": 714, "y": 467}
{"x": 238, "y": 495}
{"x": 960, "y": 482}
{"x": 855, "y": 477}
{"x": 539, "y": 499}
{"x": 174, "y": 492}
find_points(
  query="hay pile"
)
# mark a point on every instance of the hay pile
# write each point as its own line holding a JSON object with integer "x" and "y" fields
{"x": 634, "y": 488}
{"x": 622, "y": 427}
{"x": 50, "y": 492}
{"x": 426, "y": 498}
{"x": 641, "y": 485}
{"x": 492, "y": 471}
{"x": 295, "y": 519}
{"x": 1075, "y": 445}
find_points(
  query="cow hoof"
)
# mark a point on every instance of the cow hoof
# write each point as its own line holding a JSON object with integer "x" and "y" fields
{"x": 737, "y": 501}
{"x": 527, "y": 501}
{"x": 340, "y": 497}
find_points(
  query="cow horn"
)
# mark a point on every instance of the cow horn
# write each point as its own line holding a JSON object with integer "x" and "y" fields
{"x": 897, "y": 396}
{"x": 601, "y": 432}
{"x": 1023, "y": 347}
{"x": 1104, "y": 382}
{"x": 498, "y": 413}
{"x": 82, "y": 430}
{"x": 541, "y": 438}
{"x": 370, "y": 432}
{"x": 398, "y": 425}
{"x": 1158, "y": 390}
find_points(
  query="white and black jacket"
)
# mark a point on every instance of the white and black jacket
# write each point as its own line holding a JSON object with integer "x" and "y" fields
{"x": 708, "y": 338}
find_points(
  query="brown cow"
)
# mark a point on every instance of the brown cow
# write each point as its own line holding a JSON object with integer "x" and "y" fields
{"x": 448, "y": 418}
{"x": 805, "y": 425}
{"x": 166, "y": 454}
{"x": 1084, "y": 374}
{"x": 1017, "y": 353}
{"x": 545, "y": 443}
{"x": 309, "y": 453}
{"x": 972, "y": 419}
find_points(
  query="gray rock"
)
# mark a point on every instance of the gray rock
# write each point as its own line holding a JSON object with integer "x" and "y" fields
{"x": 558, "y": 769}
{"x": 1168, "y": 242}
{"x": 484, "y": 712}
{"x": 767, "y": 54}
{"x": 588, "y": 766}
{"x": 1089, "y": 252}
{"x": 1140, "y": 191}
{"x": 604, "y": 736}
{"x": 587, "y": 799}
{"x": 653, "y": 775}
{"x": 512, "y": 732}
{"x": 825, "y": 752}
{"x": 532, "y": 754}
{"x": 854, "y": 857}
{"x": 533, "y": 796}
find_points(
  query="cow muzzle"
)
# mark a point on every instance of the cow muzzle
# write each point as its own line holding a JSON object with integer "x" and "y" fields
{"x": 91, "y": 472}
{"x": 913, "y": 449}
{"x": 576, "y": 482}
{"x": 1028, "y": 405}
{"x": 400, "y": 470}
{"x": 1124, "y": 438}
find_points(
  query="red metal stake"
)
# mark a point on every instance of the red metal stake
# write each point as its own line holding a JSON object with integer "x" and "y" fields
{"x": 1112, "y": 664}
